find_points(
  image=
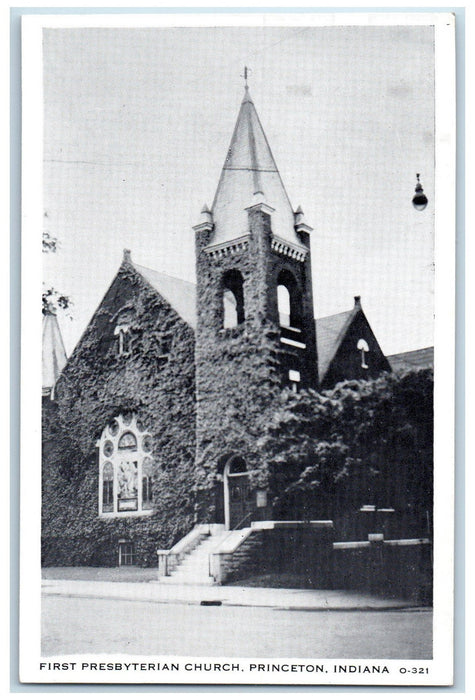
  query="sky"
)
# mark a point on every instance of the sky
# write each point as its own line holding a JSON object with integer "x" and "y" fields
{"x": 137, "y": 123}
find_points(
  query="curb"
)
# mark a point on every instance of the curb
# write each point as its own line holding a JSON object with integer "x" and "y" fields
{"x": 250, "y": 604}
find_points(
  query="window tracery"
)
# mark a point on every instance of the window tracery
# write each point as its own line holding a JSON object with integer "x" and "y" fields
{"x": 126, "y": 468}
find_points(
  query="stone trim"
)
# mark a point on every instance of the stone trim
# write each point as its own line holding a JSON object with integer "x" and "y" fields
{"x": 290, "y": 250}
{"x": 220, "y": 250}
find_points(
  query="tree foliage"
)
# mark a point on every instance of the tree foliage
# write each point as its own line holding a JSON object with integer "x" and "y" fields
{"x": 363, "y": 442}
{"x": 51, "y": 299}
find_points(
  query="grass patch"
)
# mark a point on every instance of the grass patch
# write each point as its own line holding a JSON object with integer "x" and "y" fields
{"x": 275, "y": 581}
{"x": 127, "y": 574}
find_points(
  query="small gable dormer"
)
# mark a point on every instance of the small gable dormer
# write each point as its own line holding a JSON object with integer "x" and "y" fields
{"x": 348, "y": 348}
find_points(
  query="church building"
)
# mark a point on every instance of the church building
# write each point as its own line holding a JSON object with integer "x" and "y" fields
{"x": 152, "y": 425}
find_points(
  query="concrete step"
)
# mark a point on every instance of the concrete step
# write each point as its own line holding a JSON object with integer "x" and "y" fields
{"x": 195, "y": 566}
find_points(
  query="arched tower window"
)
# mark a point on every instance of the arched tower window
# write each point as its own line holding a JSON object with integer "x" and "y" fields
{"x": 125, "y": 467}
{"x": 233, "y": 299}
{"x": 283, "y": 302}
{"x": 289, "y": 300}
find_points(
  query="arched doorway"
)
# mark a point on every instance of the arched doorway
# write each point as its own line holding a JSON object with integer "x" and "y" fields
{"x": 239, "y": 498}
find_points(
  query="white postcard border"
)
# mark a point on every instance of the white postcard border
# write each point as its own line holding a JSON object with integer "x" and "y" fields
{"x": 30, "y": 583}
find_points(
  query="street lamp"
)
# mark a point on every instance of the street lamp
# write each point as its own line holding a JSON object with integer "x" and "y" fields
{"x": 419, "y": 201}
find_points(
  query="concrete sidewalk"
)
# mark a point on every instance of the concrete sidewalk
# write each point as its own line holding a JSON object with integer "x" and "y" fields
{"x": 289, "y": 599}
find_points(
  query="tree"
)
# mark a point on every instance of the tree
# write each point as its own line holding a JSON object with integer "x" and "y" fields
{"x": 363, "y": 442}
{"x": 52, "y": 300}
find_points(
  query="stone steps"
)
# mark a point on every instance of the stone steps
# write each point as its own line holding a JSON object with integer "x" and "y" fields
{"x": 194, "y": 569}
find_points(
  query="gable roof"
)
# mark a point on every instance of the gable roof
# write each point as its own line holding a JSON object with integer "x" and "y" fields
{"x": 249, "y": 169}
{"x": 180, "y": 294}
{"x": 330, "y": 331}
{"x": 414, "y": 359}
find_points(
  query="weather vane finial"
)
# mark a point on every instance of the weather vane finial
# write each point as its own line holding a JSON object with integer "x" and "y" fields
{"x": 247, "y": 72}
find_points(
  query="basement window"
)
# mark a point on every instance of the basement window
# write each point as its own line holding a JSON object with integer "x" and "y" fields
{"x": 127, "y": 556}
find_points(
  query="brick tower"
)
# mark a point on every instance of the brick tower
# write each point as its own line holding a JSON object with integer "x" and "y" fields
{"x": 255, "y": 318}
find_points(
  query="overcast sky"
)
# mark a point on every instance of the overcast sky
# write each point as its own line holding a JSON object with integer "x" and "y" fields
{"x": 138, "y": 123}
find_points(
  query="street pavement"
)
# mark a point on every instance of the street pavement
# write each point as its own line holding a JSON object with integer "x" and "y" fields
{"x": 287, "y": 599}
{"x": 84, "y": 625}
{"x": 149, "y": 618}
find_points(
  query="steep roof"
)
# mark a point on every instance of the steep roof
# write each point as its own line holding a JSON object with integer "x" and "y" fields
{"x": 249, "y": 169}
{"x": 330, "y": 331}
{"x": 54, "y": 354}
{"x": 181, "y": 295}
{"x": 414, "y": 359}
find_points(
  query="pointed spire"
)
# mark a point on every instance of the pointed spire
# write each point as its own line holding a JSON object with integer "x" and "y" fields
{"x": 54, "y": 354}
{"x": 247, "y": 95}
{"x": 206, "y": 220}
{"x": 300, "y": 225}
{"x": 250, "y": 168}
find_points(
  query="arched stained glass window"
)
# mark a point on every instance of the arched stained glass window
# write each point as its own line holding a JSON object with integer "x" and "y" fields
{"x": 126, "y": 468}
{"x": 147, "y": 483}
{"x": 107, "y": 487}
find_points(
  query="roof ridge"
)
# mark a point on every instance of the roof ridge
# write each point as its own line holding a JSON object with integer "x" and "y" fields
{"x": 165, "y": 274}
{"x": 340, "y": 313}
{"x": 406, "y": 352}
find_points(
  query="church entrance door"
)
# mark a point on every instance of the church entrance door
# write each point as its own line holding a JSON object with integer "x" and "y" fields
{"x": 238, "y": 495}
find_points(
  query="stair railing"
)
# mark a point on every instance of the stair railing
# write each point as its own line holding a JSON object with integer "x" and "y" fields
{"x": 236, "y": 527}
{"x": 214, "y": 572}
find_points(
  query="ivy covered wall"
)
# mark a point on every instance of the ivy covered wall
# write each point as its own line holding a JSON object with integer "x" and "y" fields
{"x": 155, "y": 380}
{"x": 319, "y": 455}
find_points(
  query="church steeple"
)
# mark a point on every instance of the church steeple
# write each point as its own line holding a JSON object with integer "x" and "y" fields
{"x": 249, "y": 175}
{"x": 54, "y": 354}
{"x": 255, "y": 329}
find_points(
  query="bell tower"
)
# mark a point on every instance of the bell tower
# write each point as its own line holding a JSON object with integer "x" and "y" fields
{"x": 255, "y": 317}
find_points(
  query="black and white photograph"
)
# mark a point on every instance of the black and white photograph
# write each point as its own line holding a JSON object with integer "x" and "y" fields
{"x": 238, "y": 468}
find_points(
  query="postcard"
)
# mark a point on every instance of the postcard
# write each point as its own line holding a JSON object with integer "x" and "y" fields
{"x": 236, "y": 466}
